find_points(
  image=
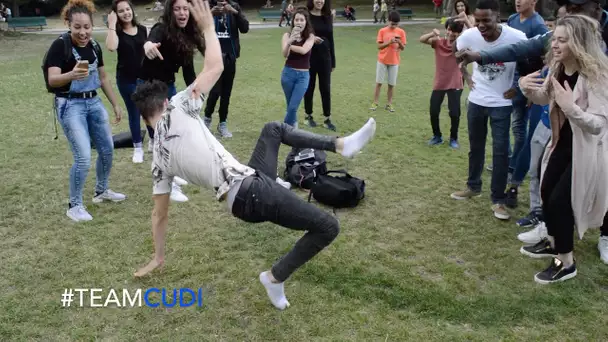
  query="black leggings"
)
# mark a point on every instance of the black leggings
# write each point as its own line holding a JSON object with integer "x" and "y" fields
{"x": 321, "y": 67}
{"x": 437, "y": 97}
{"x": 556, "y": 192}
{"x": 222, "y": 91}
{"x": 262, "y": 199}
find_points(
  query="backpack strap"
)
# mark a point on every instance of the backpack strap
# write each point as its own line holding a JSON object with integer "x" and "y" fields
{"x": 340, "y": 171}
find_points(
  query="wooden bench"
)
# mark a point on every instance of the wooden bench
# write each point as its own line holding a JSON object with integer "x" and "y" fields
{"x": 26, "y": 22}
{"x": 266, "y": 14}
{"x": 406, "y": 12}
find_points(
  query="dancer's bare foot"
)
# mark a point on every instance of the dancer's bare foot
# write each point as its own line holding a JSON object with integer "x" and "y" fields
{"x": 151, "y": 266}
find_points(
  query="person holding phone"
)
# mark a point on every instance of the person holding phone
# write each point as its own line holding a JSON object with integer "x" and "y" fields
{"x": 127, "y": 37}
{"x": 80, "y": 111}
{"x": 296, "y": 47}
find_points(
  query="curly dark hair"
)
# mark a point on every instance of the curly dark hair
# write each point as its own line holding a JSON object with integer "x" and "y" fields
{"x": 308, "y": 30}
{"x": 325, "y": 11}
{"x": 77, "y": 6}
{"x": 149, "y": 98}
{"x": 185, "y": 40}
{"x": 115, "y": 9}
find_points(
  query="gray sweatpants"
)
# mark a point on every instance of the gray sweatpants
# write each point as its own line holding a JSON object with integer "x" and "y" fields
{"x": 540, "y": 139}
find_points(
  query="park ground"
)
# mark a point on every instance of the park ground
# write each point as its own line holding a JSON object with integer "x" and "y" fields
{"x": 410, "y": 264}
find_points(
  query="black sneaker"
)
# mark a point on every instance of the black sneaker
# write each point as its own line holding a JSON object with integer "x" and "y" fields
{"x": 310, "y": 121}
{"x": 327, "y": 123}
{"x": 540, "y": 250}
{"x": 531, "y": 220}
{"x": 556, "y": 272}
{"x": 511, "y": 200}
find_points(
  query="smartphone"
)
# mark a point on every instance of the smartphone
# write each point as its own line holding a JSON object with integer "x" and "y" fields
{"x": 83, "y": 65}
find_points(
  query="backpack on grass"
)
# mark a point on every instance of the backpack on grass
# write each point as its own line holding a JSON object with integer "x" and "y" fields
{"x": 303, "y": 165}
{"x": 343, "y": 191}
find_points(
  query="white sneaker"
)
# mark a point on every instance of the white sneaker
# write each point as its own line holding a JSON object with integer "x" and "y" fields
{"x": 138, "y": 155}
{"x": 536, "y": 234}
{"x": 602, "y": 246}
{"x": 109, "y": 195}
{"x": 179, "y": 181}
{"x": 150, "y": 145}
{"x": 177, "y": 195}
{"x": 79, "y": 213}
{"x": 283, "y": 183}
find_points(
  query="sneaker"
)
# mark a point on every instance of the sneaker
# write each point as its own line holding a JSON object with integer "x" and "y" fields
{"x": 529, "y": 221}
{"x": 283, "y": 183}
{"x": 535, "y": 235}
{"x": 390, "y": 108}
{"x": 109, "y": 195}
{"x": 374, "y": 106}
{"x": 511, "y": 198}
{"x": 540, "y": 250}
{"x": 555, "y": 273}
{"x": 138, "y": 155}
{"x": 435, "y": 140}
{"x": 327, "y": 124}
{"x": 310, "y": 121}
{"x": 500, "y": 211}
{"x": 207, "y": 121}
{"x": 79, "y": 213}
{"x": 602, "y": 246}
{"x": 490, "y": 167}
{"x": 150, "y": 145}
{"x": 454, "y": 144}
{"x": 177, "y": 195}
{"x": 465, "y": 194}
{"x": 222, "y": 128}
{"x": 179, "y": 181}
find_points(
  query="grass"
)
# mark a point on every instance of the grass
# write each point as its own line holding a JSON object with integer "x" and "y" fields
{"x": 409, "y": 264}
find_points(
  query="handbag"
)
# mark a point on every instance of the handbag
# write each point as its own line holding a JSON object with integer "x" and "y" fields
{"x": 344, "y": 191}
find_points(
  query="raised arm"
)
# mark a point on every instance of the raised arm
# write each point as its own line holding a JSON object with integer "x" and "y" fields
{"x": 429, "y": 38}
{"x": 112, "y": 37}
{"x": 533, "y": 47}
{"x": 213, "y": 65}
{"x": 535, "y": 88}
{"x": 241, "y": 20}
{"x": 302, "y": 50}
{"x": 286, "y": 42}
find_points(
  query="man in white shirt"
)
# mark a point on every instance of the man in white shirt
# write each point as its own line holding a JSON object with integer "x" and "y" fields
{"x": 490, "y": 98}
{"x": 186, "y": 148}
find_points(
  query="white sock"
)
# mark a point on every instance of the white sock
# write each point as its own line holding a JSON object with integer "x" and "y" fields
{"x": 275, "y": 292}
{"x": 356, "y": 141}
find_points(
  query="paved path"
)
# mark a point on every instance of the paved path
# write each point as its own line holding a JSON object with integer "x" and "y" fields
{"x": 262, "y": 25}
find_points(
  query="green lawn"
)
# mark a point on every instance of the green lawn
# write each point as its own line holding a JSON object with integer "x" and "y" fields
{"x": 409, "y": 264}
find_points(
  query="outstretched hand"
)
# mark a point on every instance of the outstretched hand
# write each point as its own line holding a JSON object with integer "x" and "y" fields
{"x": 467, "y": 56}
{"x": 200, "y": 11}
{"x": 563, "y": 95}
{"x": 151, "y": 50}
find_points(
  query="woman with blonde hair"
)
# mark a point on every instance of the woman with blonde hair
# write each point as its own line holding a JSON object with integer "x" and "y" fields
{"x": 574, "y": 177}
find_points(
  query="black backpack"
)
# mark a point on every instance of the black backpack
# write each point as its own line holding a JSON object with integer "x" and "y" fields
{"x": 302, "y": 172}
{"x": 67, "y": 54}
{"x": 343, "y": 191}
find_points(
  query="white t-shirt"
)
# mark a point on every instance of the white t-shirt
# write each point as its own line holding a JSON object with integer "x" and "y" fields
{"x": 491, "y": 80}
{"x": 184, "y": 147}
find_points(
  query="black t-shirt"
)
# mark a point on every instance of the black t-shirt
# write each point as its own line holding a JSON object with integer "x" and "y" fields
{"x": 565, "y": 134}
{"x": 130, "y": 53}
{"x": 56, "y": 58}
{"x": 165, "y": 69}
{"x": 323, "y": 27}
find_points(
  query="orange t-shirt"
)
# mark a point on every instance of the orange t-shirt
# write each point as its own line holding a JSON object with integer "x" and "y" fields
{"x": 390, "y": 55}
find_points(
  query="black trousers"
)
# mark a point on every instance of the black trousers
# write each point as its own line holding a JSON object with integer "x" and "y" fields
{"x": 319, "y": 67}
{"x": 261, "y": 199}
{"x": 223, "y": 89}
{"x": 556, "y": 192}
{"x": 437, "y": 97}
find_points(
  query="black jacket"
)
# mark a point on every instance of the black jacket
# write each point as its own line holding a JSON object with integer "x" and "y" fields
{"x": 238, "y": 23}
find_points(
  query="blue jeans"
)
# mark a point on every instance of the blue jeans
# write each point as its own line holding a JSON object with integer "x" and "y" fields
{"x": 523, "y": 159}
{"x": 500, "y": 121}
{"x": 520, "y": 133}
{"x": 83, "y": 120}
{"x": 170, "y": 93}
{"x": 127, "y": 89}
{"x": 295, "y": 84}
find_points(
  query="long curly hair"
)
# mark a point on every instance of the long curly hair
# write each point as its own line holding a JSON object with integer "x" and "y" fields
{"x": 134, "y": 21}
{"x": 77, "y": 6}
{"x": 186, "y": 39}
{"x": 308, "y": 30}
{"x": 586, "y": 46}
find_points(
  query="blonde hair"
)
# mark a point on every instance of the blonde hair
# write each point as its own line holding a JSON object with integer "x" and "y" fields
{"x": 586, "y": 46}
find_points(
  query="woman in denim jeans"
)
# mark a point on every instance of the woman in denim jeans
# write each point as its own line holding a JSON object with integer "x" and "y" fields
{"x": 296, "y": 46}
{"x": 79, "y": 109}
{"x": 127, "y": 37}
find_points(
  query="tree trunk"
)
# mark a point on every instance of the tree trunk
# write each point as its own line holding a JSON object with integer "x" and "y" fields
{"x": 15, "y": 8}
